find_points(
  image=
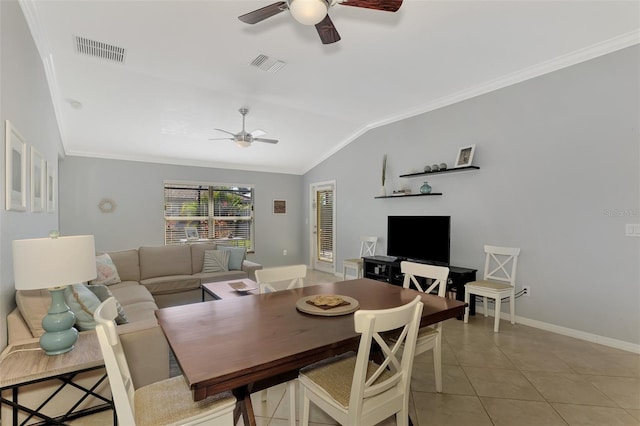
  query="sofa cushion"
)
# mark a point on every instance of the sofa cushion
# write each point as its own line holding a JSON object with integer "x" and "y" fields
{"x": 209, "y": 277}
{"x": 106, "y": 270}
{"x": 127, "y": 263}
{"x": 103, "y": 293}
{"x": 141, "y": 311}
{"x": 171, "y": 284}
{"x": 197, "y": 255}
{"x": 215, "y": 261}
{"x": 164, "y": 261}
{"x": 130, "y": 292}
{"x": 33, "y": 306}
{"x": 236, "y": 256}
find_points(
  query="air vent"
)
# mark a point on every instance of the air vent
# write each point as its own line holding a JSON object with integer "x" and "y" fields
{"x": 268, "y": 64}
{"x": 101, "y": 50}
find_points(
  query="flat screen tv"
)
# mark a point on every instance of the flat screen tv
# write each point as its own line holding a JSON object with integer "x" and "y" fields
{"x": 420, "y": 238}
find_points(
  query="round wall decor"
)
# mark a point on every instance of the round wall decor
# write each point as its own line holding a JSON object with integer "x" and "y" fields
{"x": 107, "y": 205}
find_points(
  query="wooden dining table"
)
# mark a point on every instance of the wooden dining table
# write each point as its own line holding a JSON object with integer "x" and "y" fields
{"x": 246, "y": 344}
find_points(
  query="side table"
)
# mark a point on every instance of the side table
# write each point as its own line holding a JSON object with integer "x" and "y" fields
{"x": 25, "y": 364}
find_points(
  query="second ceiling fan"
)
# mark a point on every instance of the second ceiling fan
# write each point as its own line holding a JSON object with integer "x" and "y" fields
{"x": 315, "y": 12}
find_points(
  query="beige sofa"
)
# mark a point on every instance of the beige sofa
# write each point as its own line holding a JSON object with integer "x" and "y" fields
{"x": 150, "y": 277}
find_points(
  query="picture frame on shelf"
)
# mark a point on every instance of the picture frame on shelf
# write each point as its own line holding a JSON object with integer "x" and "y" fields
{"x": 279, "y": 206}
{"x": 38, "y": 181}
{"x": 51, "y": 188}
{"x": 465, "y": 156}
{"x": 15, "y": 169}
{"x": 191, "y": 232}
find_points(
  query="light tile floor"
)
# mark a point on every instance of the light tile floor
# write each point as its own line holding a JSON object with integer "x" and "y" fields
{"x": 520, "y": 376}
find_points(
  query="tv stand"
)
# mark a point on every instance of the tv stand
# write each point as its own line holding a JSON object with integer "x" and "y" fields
{"x": 387, "y": 269}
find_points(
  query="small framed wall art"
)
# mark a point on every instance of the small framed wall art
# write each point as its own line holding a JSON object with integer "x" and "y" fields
{"x": 465, "y": 156}
{"x": 51, "y": 187}
{"x": 38, "y": 181}
{"x": 15, "y": 169}
{"x": 279, "y": 206}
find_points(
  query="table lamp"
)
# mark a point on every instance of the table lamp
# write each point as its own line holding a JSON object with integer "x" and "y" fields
{"x": 54, "y": 263}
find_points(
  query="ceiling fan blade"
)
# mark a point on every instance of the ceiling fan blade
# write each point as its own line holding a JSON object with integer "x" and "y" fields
{"x": 224, "y": 131}
{"x": 386, "y": 5}
{"x": 264, "y": 13}
{"x": 257, "y": 133}
{"x": 265, "y": 140}
{"x": 222, "y": 139}
{"x": 327, "y": 32}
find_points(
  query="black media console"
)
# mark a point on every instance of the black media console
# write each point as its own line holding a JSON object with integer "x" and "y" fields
{"x": 387, "y": 269}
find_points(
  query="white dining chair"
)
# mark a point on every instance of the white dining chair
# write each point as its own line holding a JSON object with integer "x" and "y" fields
{"x": 428, "y": 279}
{"x": 367, "y": 248}
{"x": 356, "y": 391}
{"x": 168, "y": 402}
{"x": 499, "y": 282}
{"x": 269, "y": 280}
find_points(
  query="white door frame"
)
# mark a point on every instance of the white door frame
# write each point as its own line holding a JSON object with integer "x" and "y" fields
{"x": 314, "y": 263}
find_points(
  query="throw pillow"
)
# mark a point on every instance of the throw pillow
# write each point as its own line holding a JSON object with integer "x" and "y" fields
{"x": 83, "y": 302}
{"x": 215, "y": 261}
{"x": 103, "y": 293}
{"x": 236, "y": 257}
{"x": 107, "y": 272}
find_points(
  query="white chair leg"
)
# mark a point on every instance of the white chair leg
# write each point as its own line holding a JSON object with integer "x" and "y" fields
{"x": 467, "y": 296}
{"x": 484, "y": 306}
{"x": 496, "y": 324}
{"x": 304, "y": 416}
{"x": 263, "y": 395}
{"x": 512, "y": 307}
{"x": 437, "y": 365}
{"x": 292, "y": 403}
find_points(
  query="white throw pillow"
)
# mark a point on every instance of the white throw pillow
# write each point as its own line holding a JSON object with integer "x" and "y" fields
{"x": 215, "y": 261}
{"x": 107, "y": 271}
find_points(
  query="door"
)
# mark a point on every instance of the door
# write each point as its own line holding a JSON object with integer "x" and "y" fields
{"x": 323, "y": 232}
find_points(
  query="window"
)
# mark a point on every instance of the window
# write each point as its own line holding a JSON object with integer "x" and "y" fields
{"x": 223, "y": 213}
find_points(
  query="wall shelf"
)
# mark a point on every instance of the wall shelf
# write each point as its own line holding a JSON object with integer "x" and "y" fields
{"x": 410, "y": 195}
{"x": 457, "y": 169}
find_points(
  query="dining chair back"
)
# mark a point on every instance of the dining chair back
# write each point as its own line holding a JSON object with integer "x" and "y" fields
{"x": 499, "y": 282}
{"x": 367, "y": 248}
{"x": 294, "y": 275}
{"x": 168, "y": 402}
{"x": 428, "y": 279}
{"x": 356, "y": 391}
{"x": 267, "y": 279}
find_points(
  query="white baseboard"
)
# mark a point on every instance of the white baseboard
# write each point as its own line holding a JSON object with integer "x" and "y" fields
{"x": 565, "y": 331}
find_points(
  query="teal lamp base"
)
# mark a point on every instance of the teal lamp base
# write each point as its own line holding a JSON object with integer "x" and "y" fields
{"x": 60, "y": 335}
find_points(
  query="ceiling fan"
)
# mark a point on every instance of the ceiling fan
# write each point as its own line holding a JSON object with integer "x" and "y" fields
{"x": 315, "y": 12}
{"x": 243, "y": 138}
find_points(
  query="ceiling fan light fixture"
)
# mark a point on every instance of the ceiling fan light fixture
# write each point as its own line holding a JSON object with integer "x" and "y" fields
{"x": 243, "y": 143}
{"x": 309, "y": 12}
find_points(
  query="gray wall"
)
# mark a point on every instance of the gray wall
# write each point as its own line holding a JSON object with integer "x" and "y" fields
{"x": 137, "y": 189}
{"x": 559, "y": 178}
{"x": 26, "y": 102}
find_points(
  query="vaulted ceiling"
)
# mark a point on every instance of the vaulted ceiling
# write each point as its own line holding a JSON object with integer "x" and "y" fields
{"x": 186, "y": 70}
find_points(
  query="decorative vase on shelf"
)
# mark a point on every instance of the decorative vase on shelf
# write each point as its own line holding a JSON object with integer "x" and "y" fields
{"x": 425, "y": 188}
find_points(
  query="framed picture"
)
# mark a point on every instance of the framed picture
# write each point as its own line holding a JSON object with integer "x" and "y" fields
{"x": 465, "y": 156}
{"x": 279, "y": 206}
{"x": 16, "y": 169}
{"x": 51, "y": 187}
{"x": 191, "y": 232}
{"x": 38, "y": 181}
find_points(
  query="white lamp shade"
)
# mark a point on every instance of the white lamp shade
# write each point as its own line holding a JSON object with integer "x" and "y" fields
{"x": 308, "y": 12}
{"x": 52, "y": 262}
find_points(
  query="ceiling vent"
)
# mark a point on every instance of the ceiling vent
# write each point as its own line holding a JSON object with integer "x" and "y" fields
{"x": 268, "y": 64}
{"x": 98, "y": 49}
